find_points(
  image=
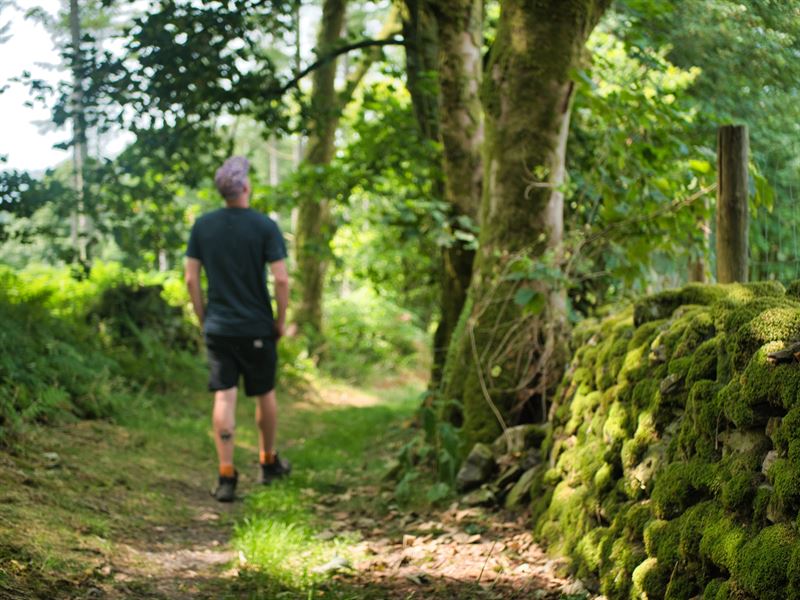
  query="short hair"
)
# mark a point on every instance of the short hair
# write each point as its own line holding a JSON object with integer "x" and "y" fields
{"x": 231, "y": 177}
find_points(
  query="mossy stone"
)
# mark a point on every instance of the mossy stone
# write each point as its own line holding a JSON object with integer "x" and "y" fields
{"x": 785, "y": 477}
{"x": 662, "y": 305}
{"x": 722, "y": 539}
{"x": 761, "y": 565}
{"x": 704, "y": 363}
{"x": 650, "y": 579}
{"x": 681, "y": 485}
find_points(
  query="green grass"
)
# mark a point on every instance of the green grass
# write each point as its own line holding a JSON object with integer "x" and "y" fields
{"x": 333, "y": 449}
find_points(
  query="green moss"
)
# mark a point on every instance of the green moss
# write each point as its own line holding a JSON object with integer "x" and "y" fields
{"x": 699, "y": 329}
{"x": 788, "y": 431}
{"x": 712, "y": 589}
{"x": 722, "y": 539}
{"x": 604, "y": 478}
{"x": 635, "y": 518}
{"x": 650, "y": 579}
{"x": 691, "y": 525}
{"x": 738, "y": 491}
{"x": 644, "y": 391}
{"x": 679, "y": 486}
{"x": 680, "y": 366}
{"x": 699, "y": 426}
{"x": 761, "y": 500}
{"x": 644, "y": 335}
{"x": 581, "y": 409}
{"x": 765, "y": 383}
{"x": 785, "y": 477}
{"x": 584, "y": 331}
{"x": 793, "y": 289}
{"x": 684, "y": 582}
{"x": 617, "y": 426}
{"x": 615, "y": 581}
{"x": 704, "y": 362}
{"x": 735, "y": 406}
{"x": 610, "y": 357}
{"x": 661, "y": 539}
{"x": 761, "y": 565}
{"x": 662, "y": 305}
{"x": 590, "y": 548}
{"x": 565, "y": 521}
{"x": 793, "y": 573}
{"x": 681, "y": 474}
{"x": 758, "y": 322}
{"x": 633, "y": 450}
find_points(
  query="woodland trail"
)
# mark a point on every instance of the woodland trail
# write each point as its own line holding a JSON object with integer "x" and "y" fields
{"x": 126, "y": 512}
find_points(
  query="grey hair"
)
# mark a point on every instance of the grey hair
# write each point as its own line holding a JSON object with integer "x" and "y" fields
{"x": 231, "y": 177}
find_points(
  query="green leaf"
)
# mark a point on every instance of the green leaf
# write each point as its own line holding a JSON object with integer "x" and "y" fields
{"x": 523, "y": 296}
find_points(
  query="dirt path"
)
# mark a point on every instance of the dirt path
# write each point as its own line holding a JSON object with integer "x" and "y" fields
{"x": 453, "y": 553}
{"x": 188, "y": 559}
{"x": 116, "y": 513}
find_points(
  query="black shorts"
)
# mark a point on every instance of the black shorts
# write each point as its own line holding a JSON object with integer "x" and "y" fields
{"x": 254, "y": 358}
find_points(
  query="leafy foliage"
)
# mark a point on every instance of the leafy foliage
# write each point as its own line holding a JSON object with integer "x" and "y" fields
{"x": 69, "y": 347}
{"x": 637, "y": 186}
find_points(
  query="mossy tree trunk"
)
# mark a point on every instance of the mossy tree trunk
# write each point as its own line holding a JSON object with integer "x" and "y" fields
{"x": 421, "y": 36}
{"x": 313, "y": 219}
{"x": 443, "y": 65}
{"x": 315, "y": 227}
{"x": 460, "y": 25}
{"x": 507, "y": 350}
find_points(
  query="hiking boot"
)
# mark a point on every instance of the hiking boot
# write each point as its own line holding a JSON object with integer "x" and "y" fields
{"x": 226, "y": 488}
{"x": 270, "y": 472}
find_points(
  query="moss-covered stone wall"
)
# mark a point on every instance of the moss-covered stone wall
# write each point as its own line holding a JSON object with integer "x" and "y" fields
{"x": 673, "y": 466}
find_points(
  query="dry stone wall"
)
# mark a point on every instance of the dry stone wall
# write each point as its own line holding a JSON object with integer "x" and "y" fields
{"x": 673, "y": 466}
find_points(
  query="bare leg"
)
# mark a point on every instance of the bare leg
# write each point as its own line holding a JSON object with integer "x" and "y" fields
{"x": 267, "y": 421}
{"x": 224, "y": 421}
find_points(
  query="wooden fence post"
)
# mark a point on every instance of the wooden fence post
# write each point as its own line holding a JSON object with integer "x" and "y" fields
{"x": 732, "y": 210}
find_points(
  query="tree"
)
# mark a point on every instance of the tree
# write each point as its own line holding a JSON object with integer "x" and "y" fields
{"x": 443, "y": 69}
{"x": 315, "y": 227}
{"x": 508, "y": 347}
{"x": 460, "y": 73}
{"x": 313, "y": 231}
{"x": 80, "y": 153}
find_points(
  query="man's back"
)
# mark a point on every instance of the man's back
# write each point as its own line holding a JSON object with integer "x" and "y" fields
{"x": 234, "y": 245}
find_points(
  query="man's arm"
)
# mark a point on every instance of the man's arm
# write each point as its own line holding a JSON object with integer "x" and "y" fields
{"x": 280, "y": 277}
{"x": 192, "y": 276}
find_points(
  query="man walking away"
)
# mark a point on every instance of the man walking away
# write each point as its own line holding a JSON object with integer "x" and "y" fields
{"x": 234, "y": 244}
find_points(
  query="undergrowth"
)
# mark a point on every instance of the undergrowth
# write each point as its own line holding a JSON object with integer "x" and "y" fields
{"x": 73, "y": 348}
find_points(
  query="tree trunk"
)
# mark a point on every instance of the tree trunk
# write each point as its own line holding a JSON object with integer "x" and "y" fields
{"x": 443, "y": 67}
{"x": 732, "y": 191}
{"x": 460, "y": 72}
{"x": 79, "y": 222}
{"x": 315, "y": 228}
{"x": 313, "y": 217}
{"x": 508, "y": 349}
{"x": 421, "y": 35}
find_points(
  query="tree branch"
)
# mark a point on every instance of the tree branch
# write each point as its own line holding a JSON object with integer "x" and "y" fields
{"x": 390, "y": 41}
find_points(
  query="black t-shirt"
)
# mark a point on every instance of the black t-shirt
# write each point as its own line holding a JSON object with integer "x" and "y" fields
{"x": 234, "y": 245}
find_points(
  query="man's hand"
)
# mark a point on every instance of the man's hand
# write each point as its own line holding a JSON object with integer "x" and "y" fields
{"x": 283, "y": 330}
{"x": 192, "y": 275}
